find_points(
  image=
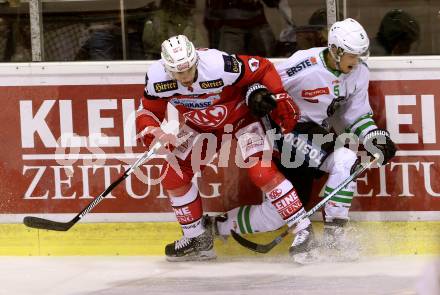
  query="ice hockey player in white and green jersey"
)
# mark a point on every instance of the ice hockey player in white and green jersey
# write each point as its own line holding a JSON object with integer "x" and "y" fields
{"x": 330, "y": 86}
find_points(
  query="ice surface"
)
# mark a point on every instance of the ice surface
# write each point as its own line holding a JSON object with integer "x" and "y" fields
{"x": 254, "y": 276}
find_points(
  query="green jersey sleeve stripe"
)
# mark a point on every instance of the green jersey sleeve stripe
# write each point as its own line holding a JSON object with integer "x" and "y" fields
{"x": 366, "y": 116}
{"x": 361, "y": 128}
{"x": 360, "y": 123}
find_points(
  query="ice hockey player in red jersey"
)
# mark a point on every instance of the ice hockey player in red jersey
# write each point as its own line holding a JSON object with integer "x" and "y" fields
{"x": 216, "y": 93}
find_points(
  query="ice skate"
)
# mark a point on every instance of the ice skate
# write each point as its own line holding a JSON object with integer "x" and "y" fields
{"x": 193, "y": 249}
{"x": 336, "y": 244}
{"x": 212, "y": 221}
{"x": 304, "y": 247}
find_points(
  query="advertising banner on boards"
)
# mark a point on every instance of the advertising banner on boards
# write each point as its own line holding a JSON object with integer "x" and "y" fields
{"x": 63, "y": 144}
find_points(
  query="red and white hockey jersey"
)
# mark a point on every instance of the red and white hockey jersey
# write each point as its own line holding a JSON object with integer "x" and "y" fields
{"x": 217, "y": 96}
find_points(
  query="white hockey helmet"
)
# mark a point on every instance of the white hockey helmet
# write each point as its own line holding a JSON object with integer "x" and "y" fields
{"x": 178, "y": 54}
{"x": 348, "y": 36}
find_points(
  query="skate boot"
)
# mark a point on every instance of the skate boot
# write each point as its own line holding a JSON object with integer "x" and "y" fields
{"x": 304, "y": 247}
{"x": 336, "y": 243}
{"x": 334, "y": 233}
{"x": 193, "y": 249}
{"x": 213, "y": 222}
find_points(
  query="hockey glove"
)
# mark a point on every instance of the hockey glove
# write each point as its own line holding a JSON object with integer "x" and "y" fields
{"x": 378, "y": 140}
{"x": 150, "y": 132}
{"x": 280, "y": 107}
{"x": 286, "y": 114}
{"x": 259, "y": 100}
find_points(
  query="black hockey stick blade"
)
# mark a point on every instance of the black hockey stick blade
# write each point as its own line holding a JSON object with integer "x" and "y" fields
{"x": 257, "y": 247}
{"x": 41, "y": 223}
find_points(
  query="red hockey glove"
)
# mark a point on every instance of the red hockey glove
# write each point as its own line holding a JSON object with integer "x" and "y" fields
{"x": 167, "y": 140}
{"x": 144, "y": 124}
{"x": 148, "y": 131}
{"x": 286, "y": 114}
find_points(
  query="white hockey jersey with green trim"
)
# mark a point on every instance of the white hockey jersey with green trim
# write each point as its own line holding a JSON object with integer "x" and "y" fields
{"x": 325, "y": 96}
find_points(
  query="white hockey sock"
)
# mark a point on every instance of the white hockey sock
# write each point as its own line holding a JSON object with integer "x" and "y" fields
{"x": 251, "y": 219}
{"x": 339, "y": 205}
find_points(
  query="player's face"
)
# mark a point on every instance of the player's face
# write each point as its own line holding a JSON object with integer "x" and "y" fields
{"x": 186, "y": 78}
{"x": 348, "y": 62}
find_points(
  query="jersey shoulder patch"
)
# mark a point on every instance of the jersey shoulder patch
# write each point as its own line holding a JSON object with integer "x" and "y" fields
{"x": 231, "y": 64}
{"x": 253, "y": 64}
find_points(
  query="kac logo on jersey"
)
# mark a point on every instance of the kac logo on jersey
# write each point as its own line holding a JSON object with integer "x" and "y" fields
{"x": 210, "y": 117}
{"x": 254, "y": 64}
{"x": 311, "y": 61}
{"x": 165, "y": 86}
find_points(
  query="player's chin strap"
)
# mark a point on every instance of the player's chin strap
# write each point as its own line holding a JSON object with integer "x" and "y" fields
{"x": 336, "y": 56}
{"x": 340, "y": 52}
{"x": 267, "y": 247}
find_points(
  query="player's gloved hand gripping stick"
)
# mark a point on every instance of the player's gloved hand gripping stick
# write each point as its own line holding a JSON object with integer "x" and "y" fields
{"x": 42, "y": 223}
{"x": 267, "y": 247}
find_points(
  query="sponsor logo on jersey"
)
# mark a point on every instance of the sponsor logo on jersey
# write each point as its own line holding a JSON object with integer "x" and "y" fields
{"x": 165, "y": 86}
{"x": 254, "y": 64}
{"x": 195, "y": 103}
{"x": 231, "y": 64}
{"x": 212, "y": 84}
{"x": 311, "y": 61}
{"x": 309, "y": 94}
{"x": 212, "y": 116}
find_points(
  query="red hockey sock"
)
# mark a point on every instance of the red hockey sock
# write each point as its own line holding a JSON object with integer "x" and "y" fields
{"x": 188, "y": 210}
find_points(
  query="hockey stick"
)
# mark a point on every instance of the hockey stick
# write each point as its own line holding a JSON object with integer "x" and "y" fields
{"x": 42, "y": 223}
{"x": 267, "y": 247}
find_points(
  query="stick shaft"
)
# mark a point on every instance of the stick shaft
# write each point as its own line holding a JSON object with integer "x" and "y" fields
{"x": 42, "y": 223}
